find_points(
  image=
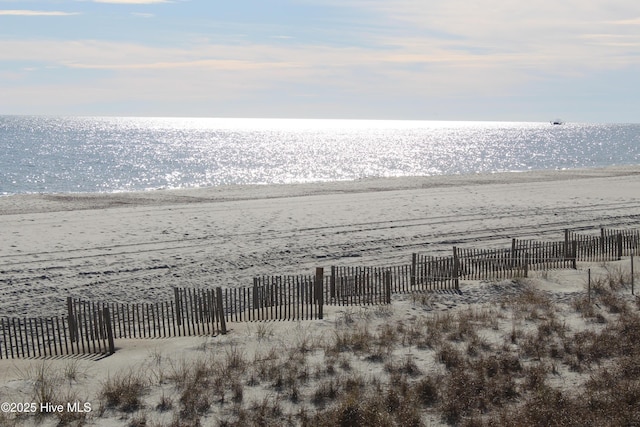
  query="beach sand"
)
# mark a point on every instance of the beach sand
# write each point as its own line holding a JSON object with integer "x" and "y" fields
{"x": 135, "y": 247}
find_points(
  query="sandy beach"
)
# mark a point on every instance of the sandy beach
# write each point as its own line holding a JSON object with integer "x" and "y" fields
{"x": 133, "y": 247}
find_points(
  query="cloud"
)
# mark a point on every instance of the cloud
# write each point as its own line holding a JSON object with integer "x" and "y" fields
{"x": 545, "y": 33}
{"x": 213, "y": 64}
{"x": 635, "y": 21}
{"x": 386, "y": 51}
{"x": 36, "y": 13}
{"x": 125, "y": 57}
{"x": 201, "y": 70}
{"x": 403, "y": 61}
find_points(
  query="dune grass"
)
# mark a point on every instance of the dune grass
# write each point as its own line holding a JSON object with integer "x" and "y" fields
{"x": 525, "y": 360}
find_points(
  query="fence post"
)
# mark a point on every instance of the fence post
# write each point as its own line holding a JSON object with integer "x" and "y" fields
{"x": 632, "y": 279}
{"x": 456, "y": 268}
{"x": 414, "y": 265}
{"x": 526, "y": 264}
{"x": 619, "y": 242}
{"x": 176, "y": 293}
{"x": 256, "y": 300}
{"x": 574, "y": 254}
{"x": 332, "y": 283}
{"x": 387, "y": 286}
{"x": 220, "y": 309}
{"x": 107, "y": 320}
{"x": 73, "y": 332}
{"x": 319, "y": 291}
{"x": 513, "y": 253}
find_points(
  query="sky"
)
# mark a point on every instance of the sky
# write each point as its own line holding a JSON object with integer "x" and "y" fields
{"x": 341, "y": 59}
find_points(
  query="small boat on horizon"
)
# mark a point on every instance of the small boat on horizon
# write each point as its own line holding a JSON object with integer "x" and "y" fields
{"x": 557, "y": 122}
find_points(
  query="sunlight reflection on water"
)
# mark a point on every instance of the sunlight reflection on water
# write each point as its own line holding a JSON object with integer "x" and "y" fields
{"x": 62, "y": 154}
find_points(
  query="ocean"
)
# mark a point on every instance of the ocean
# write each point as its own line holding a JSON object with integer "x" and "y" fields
{"x": 114, "y": 154}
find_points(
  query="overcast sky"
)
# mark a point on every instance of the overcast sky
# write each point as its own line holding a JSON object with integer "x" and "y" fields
{"x": 404, "y": 59}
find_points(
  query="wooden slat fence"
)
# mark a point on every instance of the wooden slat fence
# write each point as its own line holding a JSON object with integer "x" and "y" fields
{"x": 88, "y": 332}
{"x": 479, "y": 264}
{"x": 430, "y": 273}
{"x": 199, "y": 311}
{"x": 607, "y": 245}
{"x": 90, "y": 328}
{"x": 363, "y": 285}
{"x": 194, "y": 312}
{"x": 630, "y": 241}
{"x": 143, "y": 320}
{"x": 276, "y": 298}
{"x": 545, "y": 255}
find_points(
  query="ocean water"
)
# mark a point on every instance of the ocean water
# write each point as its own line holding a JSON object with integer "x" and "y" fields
{"x": 111, "y": 154}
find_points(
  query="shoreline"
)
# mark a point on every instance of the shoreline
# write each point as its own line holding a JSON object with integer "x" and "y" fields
{"x": 135, "y": 247}
{"x": 53, "y": 202}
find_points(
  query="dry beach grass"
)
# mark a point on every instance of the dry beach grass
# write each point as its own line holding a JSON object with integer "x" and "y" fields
{"x": 529, "y": 351}
{"x": 530, "y": 356}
